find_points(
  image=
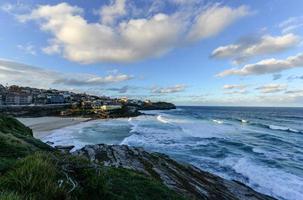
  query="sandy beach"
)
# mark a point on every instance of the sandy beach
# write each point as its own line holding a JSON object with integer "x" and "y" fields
{"x": 43, "y": 125}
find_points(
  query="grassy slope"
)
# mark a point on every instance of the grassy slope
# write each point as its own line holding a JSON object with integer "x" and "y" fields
{"x": 30, "y": 169}
{"x": 16, "y": 141}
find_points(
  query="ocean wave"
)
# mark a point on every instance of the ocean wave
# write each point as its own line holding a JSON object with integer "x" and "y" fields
{"x": 162, "y": 120}
{"x": 267, "y": 180}
{"x": 282, "y": 128}
{"x": 218, "y": 121}
{"x": 277, "y": 128}
{"x": 270, "y": 126}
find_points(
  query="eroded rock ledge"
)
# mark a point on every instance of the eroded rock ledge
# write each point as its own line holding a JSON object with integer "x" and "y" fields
{"x": 184, "y": 179}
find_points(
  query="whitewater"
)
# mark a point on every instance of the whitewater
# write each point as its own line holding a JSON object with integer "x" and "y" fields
{"x": 260, "y": 147}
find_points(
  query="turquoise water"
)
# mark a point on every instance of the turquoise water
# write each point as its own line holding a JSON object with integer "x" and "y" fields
{"x": 261, "y": 147}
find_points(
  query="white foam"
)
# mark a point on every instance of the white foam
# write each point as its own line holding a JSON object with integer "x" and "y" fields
{"x": 271, "y": 181}
{"x": 282, "y": 128}
{"x": 218, "y": 121}
{"x": 162, "y": 120}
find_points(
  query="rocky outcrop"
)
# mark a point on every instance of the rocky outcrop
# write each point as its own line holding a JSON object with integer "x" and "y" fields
{"x": 184, "y": 179}
{"x": 157, "y": 106}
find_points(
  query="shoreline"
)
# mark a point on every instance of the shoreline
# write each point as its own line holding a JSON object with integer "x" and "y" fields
{"x": 42, "y": 126}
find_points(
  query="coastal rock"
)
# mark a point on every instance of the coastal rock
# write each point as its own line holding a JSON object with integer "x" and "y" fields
{"x": 182, "y": 178}
{"x": 49, "y": 143}
{"x": 63, "y": 148}
{"x": 157, "y": 106}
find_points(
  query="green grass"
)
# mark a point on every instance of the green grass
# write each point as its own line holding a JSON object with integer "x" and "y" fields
{"x": 16, "y": 141}
{"x": 34, "y": 177}
{"x": 9, "y": 196}
{"x": 13, "y": 126}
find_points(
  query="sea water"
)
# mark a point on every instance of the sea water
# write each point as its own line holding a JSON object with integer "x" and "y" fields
{"x": 261, "y": 147}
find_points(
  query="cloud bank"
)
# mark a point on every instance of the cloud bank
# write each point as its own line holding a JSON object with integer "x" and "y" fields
{"x": 267, "y": 66}
{"x": 249, "y": 48}
{"x": 272, "y": 88}
{"x": 169, "y": 90}
{"x": 291, "y": 24}
{"x": 17, "y": 73}
{"x": 230, "y": 87}
{"x": 120, "y": 37}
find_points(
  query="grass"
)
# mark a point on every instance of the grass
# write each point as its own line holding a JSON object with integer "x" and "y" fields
{"x": 16, "y": 141}
{"x": 9, "y": 196}
{"x": 34, "y": 177}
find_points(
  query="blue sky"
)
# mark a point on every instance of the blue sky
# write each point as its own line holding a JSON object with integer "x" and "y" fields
{"x": 189, "y": 52}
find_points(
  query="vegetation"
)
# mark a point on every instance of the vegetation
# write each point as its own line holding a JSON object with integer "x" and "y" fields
{"x": 31, "y": 170}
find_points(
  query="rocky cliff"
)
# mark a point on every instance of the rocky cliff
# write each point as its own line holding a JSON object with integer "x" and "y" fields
{"x": 157, "y": 106}
{"x": 184, "y": 179}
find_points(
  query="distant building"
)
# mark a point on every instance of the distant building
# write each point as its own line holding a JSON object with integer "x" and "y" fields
{"x": 110, "y": 107}
{"x": 1, "y": 100}
{"x": 40, "y": 99}
{"x": 25, "y": 99}
{"x": 55, "y": 99}
{"x": 18, "y": 99}
{"x": 87, "y": 104}
{"x": 97, "y": 104}
{"x": 2, "y": 89}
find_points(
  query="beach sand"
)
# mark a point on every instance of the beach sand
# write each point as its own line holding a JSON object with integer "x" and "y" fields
{"x": 41, "y": 126}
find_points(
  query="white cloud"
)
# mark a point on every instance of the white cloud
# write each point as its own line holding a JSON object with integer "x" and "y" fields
{"x": 272, "y": 88}
{"x": 171, "y": 89}
{"x": 28, "y": 49}
{"x": 230, "y": 87}
{"x": 291, "y": 24}
{"x": 294, "y": 92}
{"x": 21, "y": 74}
{"x": 242, "y": 91}
{"x": 129, "y": 38}
{"x": 214, "y": 19}
{"x": 53, "y": 48}
{"x": 266, "y": 66}
{"x": 12, "y": 8}
{"x": 235, "y": 89}
{"x": 92, "y": 80}
{"x": 267, "y": 44}
{"x": 111, "y": 12}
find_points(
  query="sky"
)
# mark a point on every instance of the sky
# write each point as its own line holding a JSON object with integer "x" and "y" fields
{"x": 189, "y": 52}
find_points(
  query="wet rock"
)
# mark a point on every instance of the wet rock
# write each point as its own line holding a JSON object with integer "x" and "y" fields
{"x": 49, "y": 143}
{"x": 66, "y": 148}
{"x": 183, "y": 178}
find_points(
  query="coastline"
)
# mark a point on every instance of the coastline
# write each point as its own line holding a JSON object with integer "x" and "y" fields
{"x": 41, "y": 126}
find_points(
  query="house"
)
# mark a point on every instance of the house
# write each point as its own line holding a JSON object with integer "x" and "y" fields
{"x": 25, "y": 99}
{"x": 2, "y": 89}
{"x": 18, "y": 99}
{"x": 55, "y": 99}
{"x": 86, "y": 104}
{"x": 97, "y": 104}
{"x": 110, "y": 107}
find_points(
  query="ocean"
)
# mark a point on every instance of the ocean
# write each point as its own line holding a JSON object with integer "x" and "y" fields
{"x": 261, "y": 147}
